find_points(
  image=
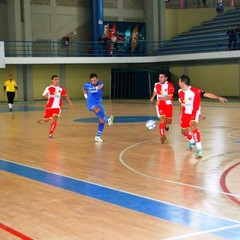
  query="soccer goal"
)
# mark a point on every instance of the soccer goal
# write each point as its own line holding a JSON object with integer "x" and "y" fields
{"x": 2, "y": 55}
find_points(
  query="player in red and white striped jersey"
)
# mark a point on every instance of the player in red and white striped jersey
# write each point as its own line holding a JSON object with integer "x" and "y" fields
{"x": 164, "y": 91}
{"x": 54, "y": 94}
{"x": 190, "y": 100}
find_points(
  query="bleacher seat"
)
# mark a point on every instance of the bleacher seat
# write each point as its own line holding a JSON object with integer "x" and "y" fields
{"x": 210, "y": 36}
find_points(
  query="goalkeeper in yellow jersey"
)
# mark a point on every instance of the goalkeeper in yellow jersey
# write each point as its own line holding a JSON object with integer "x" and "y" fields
{"x": 10, "y": 87}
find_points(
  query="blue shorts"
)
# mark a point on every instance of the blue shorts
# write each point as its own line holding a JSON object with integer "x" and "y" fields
{"x": 92, "y": 105}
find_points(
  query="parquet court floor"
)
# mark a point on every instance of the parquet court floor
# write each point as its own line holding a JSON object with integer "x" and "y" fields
{"x": 128, "y": 187}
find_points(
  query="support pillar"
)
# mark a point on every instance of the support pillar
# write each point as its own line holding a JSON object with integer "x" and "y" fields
{"x": 97, "y": 19}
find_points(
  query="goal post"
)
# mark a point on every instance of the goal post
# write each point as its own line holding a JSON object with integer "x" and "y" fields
{"x": 2, "y": 55}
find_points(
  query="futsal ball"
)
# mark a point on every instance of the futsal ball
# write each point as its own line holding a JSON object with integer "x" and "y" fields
{"x": 150, "y": 124}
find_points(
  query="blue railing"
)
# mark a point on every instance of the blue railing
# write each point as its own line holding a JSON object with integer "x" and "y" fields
{"x": 73, "y": 49}
{"x": 95, "y": 49}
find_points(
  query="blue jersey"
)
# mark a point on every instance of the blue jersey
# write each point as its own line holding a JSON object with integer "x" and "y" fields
{"x": 94, "y": 94}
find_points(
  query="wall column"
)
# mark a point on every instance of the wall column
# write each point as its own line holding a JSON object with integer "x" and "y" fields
{"x": 26, "y": 20}
{"x": 25, "y": 82}
{"x": 97, "y": 19}
{"x": 14, "y": 20}
{"x": 155, "y": 20}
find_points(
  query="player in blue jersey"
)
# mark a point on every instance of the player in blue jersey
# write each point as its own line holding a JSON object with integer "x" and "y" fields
{"x": 92, "y": 92}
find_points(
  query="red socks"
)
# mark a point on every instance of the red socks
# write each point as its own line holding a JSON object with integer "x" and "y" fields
{"x": 162, "y": 129}
{"x": 52, "y": 127}
{"x": 196, "y": 135}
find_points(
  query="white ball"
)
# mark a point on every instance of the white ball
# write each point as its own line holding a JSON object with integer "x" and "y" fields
{"x": 151, "y": 124}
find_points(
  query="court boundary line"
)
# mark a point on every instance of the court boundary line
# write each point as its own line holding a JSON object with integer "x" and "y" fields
{"x": 202, "y": 232}
{"x": 224, "y": 185}
{"x": 110, "y": 188}
{"x": 14, "y": 232}
{"x": 166, "y": 180}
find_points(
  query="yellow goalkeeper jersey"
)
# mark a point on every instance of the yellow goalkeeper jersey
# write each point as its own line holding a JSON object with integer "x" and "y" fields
{"x": 10, "y": 85}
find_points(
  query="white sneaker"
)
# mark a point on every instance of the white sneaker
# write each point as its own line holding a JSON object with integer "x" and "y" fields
{"x": 98, "y": 139}
{"x": 110, "y": 120}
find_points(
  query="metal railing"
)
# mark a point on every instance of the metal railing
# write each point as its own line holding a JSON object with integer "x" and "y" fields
{"x": 72, "y": 49}
{"x": 190, "y": 4}
{"x": 95, "y": 49}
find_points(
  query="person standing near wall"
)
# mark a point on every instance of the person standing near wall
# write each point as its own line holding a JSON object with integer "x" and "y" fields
{"x": 114, "y": 43}
{"x": 238, "y": 37}
{"x": 10, "y": 86}
{"x": 164, "y": 91}
{"x": 204, "y": 3}
{"x": 232, "y": 38}
{"x": 190, "y": 100}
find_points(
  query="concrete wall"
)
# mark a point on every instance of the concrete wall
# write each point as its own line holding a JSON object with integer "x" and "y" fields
{"x": 178, "y": 21}
{"x": 51, "y": 19}
{"x": 54, "y": 19}
{"x": 71, "y": 76}
{"x": 3, "y": 21}
{"x": 221, "y": 78}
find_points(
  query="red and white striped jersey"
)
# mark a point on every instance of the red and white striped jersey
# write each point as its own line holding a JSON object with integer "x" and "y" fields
{"x": 190, "y": 100}
{"x": 54, "y": 96}
{"x": 164, "y": 90}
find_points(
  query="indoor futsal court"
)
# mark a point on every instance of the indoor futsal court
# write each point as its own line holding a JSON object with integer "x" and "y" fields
{"x": 130, "y": 187}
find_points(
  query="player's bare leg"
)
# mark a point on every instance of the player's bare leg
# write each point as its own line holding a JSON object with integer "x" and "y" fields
{"x": 43, "y": 121}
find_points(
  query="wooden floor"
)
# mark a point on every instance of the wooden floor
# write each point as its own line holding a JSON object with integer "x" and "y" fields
{"x": 130, "y": 187}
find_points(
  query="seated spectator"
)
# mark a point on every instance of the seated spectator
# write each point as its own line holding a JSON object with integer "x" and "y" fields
{"x": 232, "y": 38}
{"x": 204, "y": 3}
{"x": 238, "y": 37}
{"x": 219, "y": 7}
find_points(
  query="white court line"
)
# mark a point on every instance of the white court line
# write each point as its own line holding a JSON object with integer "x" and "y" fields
{"x": 202, "y": 232}
{"x": 115, "y": 189}
{"x": 121, "y": 159}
